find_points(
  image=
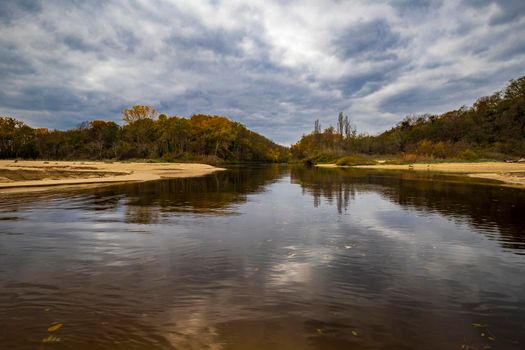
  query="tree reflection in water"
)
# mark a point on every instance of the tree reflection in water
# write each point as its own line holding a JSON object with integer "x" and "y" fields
{"x": 453, "y": 196}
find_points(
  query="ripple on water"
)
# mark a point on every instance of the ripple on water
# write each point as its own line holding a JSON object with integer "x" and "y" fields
{"x": 311, "y": 259}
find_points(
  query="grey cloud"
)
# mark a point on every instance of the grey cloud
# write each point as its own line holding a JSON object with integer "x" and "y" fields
{"x": 411, "y": 5}
{"x": 368, "y": 41}
{"x": 11, "y": 10}
{"x": 63, "y": 62}
{"x": 509, "y": 9}
{"x": 364, "y": 84}
{"x": 451, "y": 94}
{"x": 77, "y": 43}
{"x": 12, "y": 65}
{"x": 517, "y": 48}
{"x": 48, "y": 98}
{"x": 414, "y": 100}
{"x": 219, "y": 42}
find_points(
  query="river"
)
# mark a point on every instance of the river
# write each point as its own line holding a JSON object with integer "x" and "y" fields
{"x": 268, "y": 257}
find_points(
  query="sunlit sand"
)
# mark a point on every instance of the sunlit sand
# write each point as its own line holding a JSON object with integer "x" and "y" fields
{"x": 509, "y": 173}
{"x": 22, "y": 175}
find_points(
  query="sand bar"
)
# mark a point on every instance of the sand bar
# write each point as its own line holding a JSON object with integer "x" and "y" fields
{"x": 21, "y": 175}
{"x": 509, "y": 173}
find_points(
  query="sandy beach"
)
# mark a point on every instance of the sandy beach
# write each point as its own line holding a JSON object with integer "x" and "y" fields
{"x": 507, "y": 173}
{"x": 24, "y": 175}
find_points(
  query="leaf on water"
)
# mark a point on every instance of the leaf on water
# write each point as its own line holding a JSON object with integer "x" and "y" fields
{"x": 479, "y": 325}
{"x": 354, "y": 333}
{"x": 319, "y": 330}
{"x": 55, "y": 326}
{"x": 51, "y": 339}
{"x": 491, "y": 338}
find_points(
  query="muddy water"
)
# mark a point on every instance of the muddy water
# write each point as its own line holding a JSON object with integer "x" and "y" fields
{"x": 266, "y": 258}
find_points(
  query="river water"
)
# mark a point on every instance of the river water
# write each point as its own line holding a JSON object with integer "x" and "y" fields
{"x": 266, "y": 258}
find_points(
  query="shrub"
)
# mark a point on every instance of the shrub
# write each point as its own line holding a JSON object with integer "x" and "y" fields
{"x": 439, "y": 150}
{"x": 321, "y": 158}
{"x": 211, "y": 160}
{"x": 354, "y": 160}
{"x": 425, "y": 147}
{"x": 468, "y": 154}
{"x": 409, "y": 158}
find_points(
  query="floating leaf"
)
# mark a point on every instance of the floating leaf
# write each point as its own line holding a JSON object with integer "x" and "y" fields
{"x": 55, "y": 326}
{"x": 479, "y": 325}
{"x": 354, "y": 333}
{"x": 51, "y": 339}
{"x": 491, "y": 338}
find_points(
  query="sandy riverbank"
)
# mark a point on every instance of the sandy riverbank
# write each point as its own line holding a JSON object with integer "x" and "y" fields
{"x": 509, "y": 173}
{"x": 23, "y": 175}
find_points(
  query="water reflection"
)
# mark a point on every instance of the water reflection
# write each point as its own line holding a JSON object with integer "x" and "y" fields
{"x": 146, "y": 203}
{"x": 496, "y": 210}
{"x": 265, "y": 258}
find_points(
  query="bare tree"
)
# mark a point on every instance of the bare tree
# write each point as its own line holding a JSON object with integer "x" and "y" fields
{"x": 340, "y": 123}
{"x": 347, "y": 126}
{"x": 350, "y": 129}
{"x": 317, "y": 127}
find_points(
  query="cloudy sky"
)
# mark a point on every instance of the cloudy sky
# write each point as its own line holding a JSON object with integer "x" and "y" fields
{"x": 276, "y": 66}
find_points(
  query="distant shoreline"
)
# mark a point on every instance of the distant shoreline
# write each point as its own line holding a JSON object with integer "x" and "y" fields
{"x": 506, "y": 173}
{"x": 20, "y": 176}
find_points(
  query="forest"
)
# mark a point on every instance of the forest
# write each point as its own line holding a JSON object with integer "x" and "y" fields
{"x": 492, "y": 128}
{"x": 145, "y": 135}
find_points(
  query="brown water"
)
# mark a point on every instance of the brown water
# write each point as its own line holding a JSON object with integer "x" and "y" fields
{"x": 266, "y": 258}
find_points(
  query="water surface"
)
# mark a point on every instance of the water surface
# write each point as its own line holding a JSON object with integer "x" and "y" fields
{"x": 266, "y": 258}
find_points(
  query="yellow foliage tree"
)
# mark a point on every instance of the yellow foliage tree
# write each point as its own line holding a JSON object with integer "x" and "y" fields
{"x": 138, "y": 112}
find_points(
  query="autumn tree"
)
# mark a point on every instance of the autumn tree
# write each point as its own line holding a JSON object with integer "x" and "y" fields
{"x": 104, "y": 137}
{"x": 138, "y": 112}
{"x": 16, "y": 138}
{"x": 139, "y": 130}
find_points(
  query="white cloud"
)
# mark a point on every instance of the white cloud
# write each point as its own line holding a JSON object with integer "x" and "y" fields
{"x": 261, "y": 62}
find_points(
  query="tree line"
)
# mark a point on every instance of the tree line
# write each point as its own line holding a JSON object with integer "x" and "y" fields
{"x": 145, "y": 135}
{"x": 493, "y": 127}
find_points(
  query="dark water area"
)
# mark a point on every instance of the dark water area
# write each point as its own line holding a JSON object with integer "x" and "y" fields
{"x": 266, "y": 258}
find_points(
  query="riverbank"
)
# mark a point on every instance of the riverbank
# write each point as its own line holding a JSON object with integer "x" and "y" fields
{"x": 507, "y": 173}
{"x": 23, "y": 175}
